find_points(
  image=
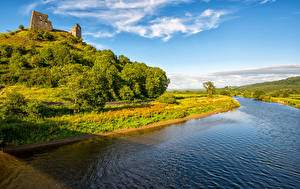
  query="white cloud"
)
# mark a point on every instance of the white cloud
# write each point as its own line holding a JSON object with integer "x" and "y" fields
{"x": 29, "y": 8}
{"x": 137, "y": 16}
{"x": 233, "y": 78}
{"x": 100, "y": 34}
{"x": 267, "y": 1}
{"x": 97, "y": 45}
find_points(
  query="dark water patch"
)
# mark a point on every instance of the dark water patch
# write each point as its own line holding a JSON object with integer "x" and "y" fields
{"x": 256, "y": 146}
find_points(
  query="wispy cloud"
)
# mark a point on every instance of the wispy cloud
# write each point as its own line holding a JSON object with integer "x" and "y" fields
{"x": 97, "y": 45}
{"x": 267, "y": 1}
{"x": 26, "y": 10}
{"x": 137, "y": 16}
{"x": 234, "y": 78}
{"x": 141, "y": 17}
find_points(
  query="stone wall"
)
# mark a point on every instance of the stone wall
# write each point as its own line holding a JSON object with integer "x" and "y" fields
{"x": 76, "y": 31}
{"x": 40, "y": 21}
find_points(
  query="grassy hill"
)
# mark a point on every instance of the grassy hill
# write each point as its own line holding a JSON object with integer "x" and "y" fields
{"x": 38, "y": 58}
{"x": 292, "y": 83}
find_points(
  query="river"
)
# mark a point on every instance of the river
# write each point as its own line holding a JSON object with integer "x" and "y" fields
{"x": 255, "y": 146}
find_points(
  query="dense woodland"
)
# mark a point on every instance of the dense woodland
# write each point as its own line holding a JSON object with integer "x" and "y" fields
{"x": 93, "y": 77}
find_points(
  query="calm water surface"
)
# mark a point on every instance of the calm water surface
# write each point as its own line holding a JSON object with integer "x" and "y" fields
{"x": 255, "y": 146}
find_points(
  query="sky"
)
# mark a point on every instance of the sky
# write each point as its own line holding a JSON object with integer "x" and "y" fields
{"x": 229, "y": 42}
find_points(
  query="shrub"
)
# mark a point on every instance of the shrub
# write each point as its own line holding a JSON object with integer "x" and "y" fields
{"x": 225, "y": 92}
{"x": 285, "y": 94}
{"x": 35, "y": 109}
{"x": 167, "y": 98}
{"x": 21, "y": 27}
{"x": 14, "y": 105}
{"x": 259, "y": 94}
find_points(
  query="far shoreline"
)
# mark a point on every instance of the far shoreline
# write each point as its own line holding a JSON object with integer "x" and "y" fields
{"x": 29, "y": 147}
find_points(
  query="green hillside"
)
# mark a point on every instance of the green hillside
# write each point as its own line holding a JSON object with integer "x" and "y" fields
{"x": 292, "y": 83}
{"x": 37, "y": 58}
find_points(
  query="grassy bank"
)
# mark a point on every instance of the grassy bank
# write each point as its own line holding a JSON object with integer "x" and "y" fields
{"x": 292, "y": 100}
{"x": 112, "y": 118}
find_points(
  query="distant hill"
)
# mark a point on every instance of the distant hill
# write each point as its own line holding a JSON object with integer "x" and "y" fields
{"x": 292, "y": 83}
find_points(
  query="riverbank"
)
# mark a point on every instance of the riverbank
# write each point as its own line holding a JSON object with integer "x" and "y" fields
{"x": 28, "y": 147}
{"x": 113, "y": 119}
{"x": 292, "y": 100}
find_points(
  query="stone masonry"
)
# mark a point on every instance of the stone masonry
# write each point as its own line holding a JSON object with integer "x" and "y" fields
{"x": 40, "y": 21}
{"x": 76, "y": 31}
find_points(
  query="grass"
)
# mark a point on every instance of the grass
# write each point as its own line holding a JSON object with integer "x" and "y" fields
{"x": 40, "y": 94}
{"x": 113, "y": 118}
{"x": 292, "y": 100}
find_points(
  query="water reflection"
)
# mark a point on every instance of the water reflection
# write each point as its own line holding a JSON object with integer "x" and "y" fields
{"x": 256, "y": 146}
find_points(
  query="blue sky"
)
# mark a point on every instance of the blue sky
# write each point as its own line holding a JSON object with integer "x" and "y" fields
{"x": 187, "y": 38}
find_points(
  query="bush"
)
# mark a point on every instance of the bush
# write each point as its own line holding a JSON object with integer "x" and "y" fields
{"x": 259, "y": 94}
{"x": 35, "y": 109}
{"x": 21, "y": 27}
{"x": 225, "y": 92}
{"x": 14, "y": 105}
{"x": 167, "y": 98}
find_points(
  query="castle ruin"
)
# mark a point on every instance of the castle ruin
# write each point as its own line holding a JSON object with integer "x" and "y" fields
{"x": 76, "y": 31}
{"x": 40, "y": 21}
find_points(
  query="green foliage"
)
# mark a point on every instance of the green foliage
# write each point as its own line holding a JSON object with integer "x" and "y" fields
{"x": 27, "y": 131}
{"x": 259, "y": 94}
{"x": 21, "y": 27}
{"x": 126, "y": 93}
{"x": 14, "y": 105}
{"x": 41, "y": 62}
{"x": 167, "y": 98}
{"x": 46, "y": 59}
{"x": 210, "y": 88}
{"x": 247, "y": 94}
{"x": 292, "y": 83}
{"x": 225, "y": 92}
{"x": 35, "y": 109}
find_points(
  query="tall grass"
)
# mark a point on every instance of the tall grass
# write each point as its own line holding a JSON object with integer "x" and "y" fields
{"x": 19, "y": 132}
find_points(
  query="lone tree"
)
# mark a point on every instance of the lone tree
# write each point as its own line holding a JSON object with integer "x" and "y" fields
{"x": 21, "y": 27}
{"x": 210, "y": 88}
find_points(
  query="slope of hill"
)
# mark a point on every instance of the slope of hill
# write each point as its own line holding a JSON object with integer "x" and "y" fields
{"x": 292, "y": 83}
{"x": 54, "y": 59}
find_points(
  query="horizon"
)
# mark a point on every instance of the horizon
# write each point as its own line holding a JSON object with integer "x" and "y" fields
{"x": 193, "y": 41}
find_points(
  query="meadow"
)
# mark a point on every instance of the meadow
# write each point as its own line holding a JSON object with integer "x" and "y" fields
{"x": 61, "y": 123}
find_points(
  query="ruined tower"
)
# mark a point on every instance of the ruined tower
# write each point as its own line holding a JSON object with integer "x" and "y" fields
{"x": 40, "y": 21}
{"x": 76, "y": 31}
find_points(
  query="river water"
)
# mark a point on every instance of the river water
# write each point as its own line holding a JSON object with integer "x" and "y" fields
{"x": 255, "y": 146}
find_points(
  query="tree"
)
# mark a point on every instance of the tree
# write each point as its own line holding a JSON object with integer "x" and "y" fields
{"x": 247, "y": 94}
{"x": 87, "y": 92}
{"x": 156, "y": 82}
{"x": 21, "y": 27}
{"x": 126, "y": 93}
{"x": 259, "y": 94}
{"x": 210, "y": 88}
